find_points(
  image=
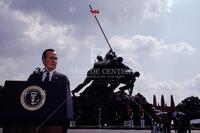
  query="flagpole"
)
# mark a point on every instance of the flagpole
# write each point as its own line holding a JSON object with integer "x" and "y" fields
{"x": 102, "y": 30}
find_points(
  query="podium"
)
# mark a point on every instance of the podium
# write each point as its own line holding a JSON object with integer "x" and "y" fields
{"x": 34, "y": 103}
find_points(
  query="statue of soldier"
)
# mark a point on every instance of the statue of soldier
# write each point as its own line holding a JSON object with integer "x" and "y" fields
{"x": 125, "y": 76}
{"x": 96, "y": 76}
{"x": 129, "y": 80}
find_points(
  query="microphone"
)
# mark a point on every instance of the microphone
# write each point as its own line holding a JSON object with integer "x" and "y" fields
{"x": 37, "y": 71}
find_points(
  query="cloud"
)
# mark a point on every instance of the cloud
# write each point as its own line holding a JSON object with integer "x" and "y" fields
{"x": 195, "y": 84}
{"x": 156, "y": 8}
{"x": 23, "y": 35}
{"x": 133, "y": 9}
{"x": 34, "y": 30}
{"x": 151, "y": 47}
{"x": 62, "y": 12}
{"x": 148, "y": 86}
{"x": 140, "y": 49}
{"x": 183, "y": 47}
{"x": 11, "y": 30}
{"x": 35, "y": 23}
{"x": 71, "y": 12}
{"x": 51, "y": 35}
{"x": 8, "y": 65}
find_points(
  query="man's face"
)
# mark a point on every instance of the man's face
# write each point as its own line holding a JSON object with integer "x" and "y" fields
{"x": 50, "y": 61}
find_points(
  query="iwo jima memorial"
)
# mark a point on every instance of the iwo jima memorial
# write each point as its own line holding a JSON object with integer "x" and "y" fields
{"x": 100, "y": 106}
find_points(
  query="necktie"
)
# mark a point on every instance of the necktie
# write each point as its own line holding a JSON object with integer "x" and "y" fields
{"x": 47, "y": 78}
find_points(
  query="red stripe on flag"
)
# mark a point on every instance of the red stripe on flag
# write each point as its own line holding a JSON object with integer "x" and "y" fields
{"x": 95, "y": 11}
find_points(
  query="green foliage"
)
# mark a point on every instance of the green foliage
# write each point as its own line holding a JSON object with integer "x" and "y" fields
{"x": 190, "y": 106}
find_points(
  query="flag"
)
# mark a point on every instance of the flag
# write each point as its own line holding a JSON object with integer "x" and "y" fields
{"x": 94, "y": 11}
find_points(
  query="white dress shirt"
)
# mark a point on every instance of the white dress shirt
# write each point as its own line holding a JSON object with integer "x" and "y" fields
{"x": 45, "y": 74}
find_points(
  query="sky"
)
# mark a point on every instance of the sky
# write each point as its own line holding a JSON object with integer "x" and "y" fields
{"x": 158, "y": 38}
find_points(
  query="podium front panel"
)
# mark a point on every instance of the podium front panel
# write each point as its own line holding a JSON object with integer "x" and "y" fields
{"x": 34, "y": 103}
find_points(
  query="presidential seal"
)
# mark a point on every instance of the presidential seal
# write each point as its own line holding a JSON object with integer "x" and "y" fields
{"x": 33, "y": 98}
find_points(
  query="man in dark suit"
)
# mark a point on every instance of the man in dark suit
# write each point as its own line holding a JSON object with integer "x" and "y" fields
{"x": 49, "y": 59}
{"x": 49, "y": 74}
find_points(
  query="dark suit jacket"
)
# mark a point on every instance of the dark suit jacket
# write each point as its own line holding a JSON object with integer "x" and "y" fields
{"x": 57, "y": 77}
